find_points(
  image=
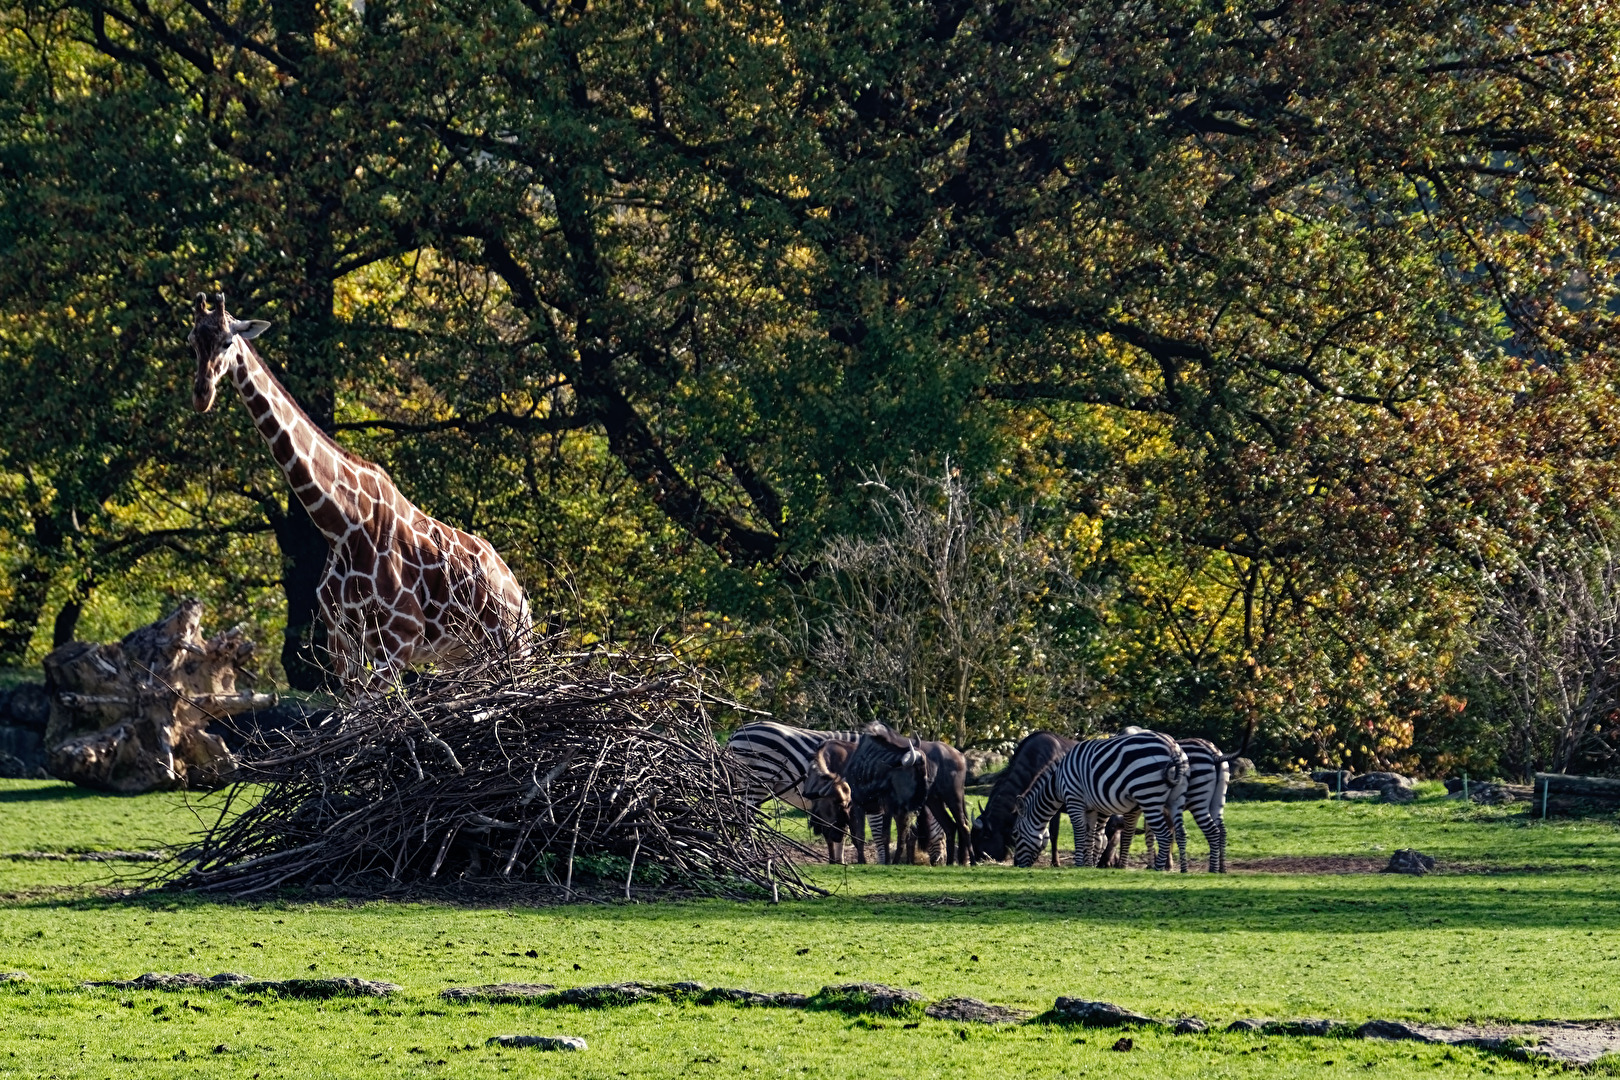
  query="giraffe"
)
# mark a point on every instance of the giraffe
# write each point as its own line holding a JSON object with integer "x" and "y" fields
{"x": 399, "y": 587}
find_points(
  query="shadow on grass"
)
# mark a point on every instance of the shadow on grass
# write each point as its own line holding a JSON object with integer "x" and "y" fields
{"x": 52, "y": 792}
{"x": 1282, "y": 904}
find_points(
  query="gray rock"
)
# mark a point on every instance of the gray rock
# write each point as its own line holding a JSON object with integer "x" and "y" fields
{"x": 1395, "y": 794}
{"x": 982, "y": 763}
{"x": 1069, "y": 1010}
{"x": 340, "y": 986}
{"x": 14, "y": 768}
{"x": 1312, "y": 1026}
{"x": 539, "y": 1042}
{"x": 727, "y": 995}
{"x": 873, "y": 998}
{"x": 1335, "y": 779}
{"x": 1242, "y": 767}
{"x": 972, "y": 1010}
{"x": 612, "y": 995}
{"x": 1247, "y": 1025}
{"x": 1378, "y": 781}
{"x": 1190, "y": 1025}
{"x": 1578, "y": 1043}
{"x": 1409, "y": 861}
{"x": 13, "y": 976}
{"x": 499, "y": 993}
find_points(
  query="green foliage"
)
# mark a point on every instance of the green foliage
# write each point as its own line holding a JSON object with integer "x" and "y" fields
{"x": 642, "y": 291}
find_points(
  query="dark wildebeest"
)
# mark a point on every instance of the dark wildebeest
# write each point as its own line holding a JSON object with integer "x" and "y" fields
{"x": 947, "y": 800}
{"x": 992, "y": 830}
{"x": 831, "y": 806}
{"x": 888, "y": 776}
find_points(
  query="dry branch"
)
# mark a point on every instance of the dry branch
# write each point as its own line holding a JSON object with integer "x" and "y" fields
{"x": 506, "y": 771}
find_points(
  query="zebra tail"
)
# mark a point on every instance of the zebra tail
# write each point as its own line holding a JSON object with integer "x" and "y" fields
{"x": 1248, "y": 733}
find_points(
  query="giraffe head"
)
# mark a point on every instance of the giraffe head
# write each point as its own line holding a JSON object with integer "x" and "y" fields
{"x": 214, "y": 338}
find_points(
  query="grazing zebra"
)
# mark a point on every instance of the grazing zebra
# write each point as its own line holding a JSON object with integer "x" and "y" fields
{"x": 1209, "y": 773}
{"x": 1139, "y": 772}
{"x": 778, "y": 757}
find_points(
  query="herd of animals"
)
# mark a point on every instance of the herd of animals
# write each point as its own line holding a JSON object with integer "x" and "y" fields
{"x": 846, "y": 781}
{"x": 400, "y": 588}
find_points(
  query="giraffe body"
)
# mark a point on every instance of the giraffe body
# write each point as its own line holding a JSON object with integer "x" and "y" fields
{"x": 399, "y": 587}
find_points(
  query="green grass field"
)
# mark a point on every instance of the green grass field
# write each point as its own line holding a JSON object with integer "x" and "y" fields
{"x": 1531, "y": 930}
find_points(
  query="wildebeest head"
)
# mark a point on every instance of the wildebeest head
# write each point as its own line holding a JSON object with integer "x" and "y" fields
{"x": 989, "y": 842}
{"x": 887, "y": 771}
{"x": 826, "y": 790}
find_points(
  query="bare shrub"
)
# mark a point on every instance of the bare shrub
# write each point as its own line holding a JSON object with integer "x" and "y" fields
{"x": 947, "y": 620}
{"x": 1549, "y": 642}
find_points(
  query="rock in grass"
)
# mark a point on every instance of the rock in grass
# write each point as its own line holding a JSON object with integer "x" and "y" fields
{"x": 728, "y": 995}
{"x": 873, "y": 999}
{"x": 1102, "y": 1014}
{"x": 972, "y": 1010}
{"x": 539, "y": 1042}
{"x": 13, "y": 976}
{"x": 181, "y": 980}
{"x": 1310, "y": 1026}
{"x": 1247, "y": 1025}
{"x": 1190, "y": 1025}
{"x": 499, "y": 993}
{"x": 613, "y": 995}
{"x": 341, "y": 986}
{"x": 1409, "y": 861}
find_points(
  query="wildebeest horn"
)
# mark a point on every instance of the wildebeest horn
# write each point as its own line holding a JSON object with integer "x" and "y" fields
{"x": 912, "y": 756}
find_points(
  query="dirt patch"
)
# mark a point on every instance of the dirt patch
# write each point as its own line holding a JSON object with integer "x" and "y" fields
{"x": 1309, "y": 864}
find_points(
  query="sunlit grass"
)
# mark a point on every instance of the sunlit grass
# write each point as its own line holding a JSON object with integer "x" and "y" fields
{"x": 1510, "y": 945}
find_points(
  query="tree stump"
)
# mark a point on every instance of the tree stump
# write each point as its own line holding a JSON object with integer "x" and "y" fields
{"x": 133, "y": 716}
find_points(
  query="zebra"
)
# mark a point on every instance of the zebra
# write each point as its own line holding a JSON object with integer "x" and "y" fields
{"x": 1209, "y": 773}
{"x": 1137, "y": 772}
{"x": 777, "y": 758}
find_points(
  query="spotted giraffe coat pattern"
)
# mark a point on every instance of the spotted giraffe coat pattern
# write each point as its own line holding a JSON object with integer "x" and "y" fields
{"x": 399, "y": 587}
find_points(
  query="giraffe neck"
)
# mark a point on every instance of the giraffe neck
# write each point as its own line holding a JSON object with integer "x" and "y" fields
{"x": 322, "y": 475}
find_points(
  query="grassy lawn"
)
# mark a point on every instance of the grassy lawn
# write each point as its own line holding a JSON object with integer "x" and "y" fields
{"x": 1511, "y": 944}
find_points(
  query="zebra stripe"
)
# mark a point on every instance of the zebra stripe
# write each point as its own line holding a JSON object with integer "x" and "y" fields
{"x": 776, "y": 758}
{"x": 1208, "y": 774}
{"x": 1137, "y": 772}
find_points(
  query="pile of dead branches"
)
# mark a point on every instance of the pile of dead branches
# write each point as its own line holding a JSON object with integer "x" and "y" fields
{"x": 578, "y": 773}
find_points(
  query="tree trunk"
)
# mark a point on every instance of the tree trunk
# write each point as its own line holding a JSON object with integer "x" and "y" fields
{"x": 21, "y": 613}
{"x": 303, "y": 553}
{"x": 67, "y": 620}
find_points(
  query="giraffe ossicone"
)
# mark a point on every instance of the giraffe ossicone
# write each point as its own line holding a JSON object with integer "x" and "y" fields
{"x": 399, "y": 587}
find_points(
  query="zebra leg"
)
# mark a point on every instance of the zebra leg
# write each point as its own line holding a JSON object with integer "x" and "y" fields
{"x": 881, "y": 836}
{"x": 1214, "y": 830}
{"x": 857, "y": 834}
{"x": 1159, "y": 820}
{"x": 1086, "y": 823}
{"x": 1054, "y": 828}
{"x": 1181, "y": 841}
{"x": 1127, "y": 834}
